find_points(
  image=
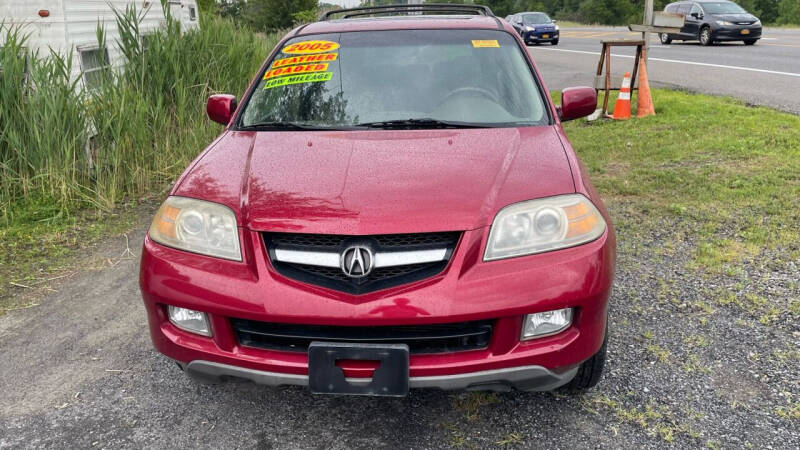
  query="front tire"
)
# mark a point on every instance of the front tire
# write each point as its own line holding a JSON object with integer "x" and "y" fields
{"x": 665, "y": 39}
{"x": 590, "y": 371}
{"x": 555, "y": 42}
{"x": 750, "y": 41}
{"x": 705, "y": 36}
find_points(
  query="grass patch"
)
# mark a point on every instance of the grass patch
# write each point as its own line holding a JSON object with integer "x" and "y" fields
{"x": 725, "y": 173}
{"x": 472, "y": 403}
{"x": 791, "y": 412}
{"x": 655, "y": 420}
{"x": 36, "y": 251}
{"x": 718, "y": 254}
{"x": 716, "y": 181}
{"x": 510, "y": 439}
{"x": 660, "y": 353}
{"x": 692, "y": 364}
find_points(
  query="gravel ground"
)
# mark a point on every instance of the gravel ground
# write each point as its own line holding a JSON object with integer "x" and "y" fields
{"x": 689, "y": 366}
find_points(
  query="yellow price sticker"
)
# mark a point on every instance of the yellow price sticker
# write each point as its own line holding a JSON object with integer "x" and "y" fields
{"x": 306, "y": 47}
{"x": 485, "y": 43}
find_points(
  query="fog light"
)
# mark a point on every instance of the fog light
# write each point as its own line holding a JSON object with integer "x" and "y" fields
{"x": 546, "y": 323}
{"x": 189, "y": 320}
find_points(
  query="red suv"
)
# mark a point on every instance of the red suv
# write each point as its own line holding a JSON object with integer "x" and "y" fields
{"x": 393, "y": 205}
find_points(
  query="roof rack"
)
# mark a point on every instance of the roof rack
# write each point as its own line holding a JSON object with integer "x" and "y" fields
{"x": 450, "y": 8}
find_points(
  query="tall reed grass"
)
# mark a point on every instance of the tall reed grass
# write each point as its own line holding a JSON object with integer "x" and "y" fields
{"x": 147, "y": 119}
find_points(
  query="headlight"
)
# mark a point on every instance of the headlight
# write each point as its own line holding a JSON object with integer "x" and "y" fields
{"x": 197, "y": 226}
{"x": 543, "y": 225}
{"x": 724, "y": 22}
{"x": 757, "y": 22}
{"x": 530, "y": 29}
{"x": 557, "y": 28}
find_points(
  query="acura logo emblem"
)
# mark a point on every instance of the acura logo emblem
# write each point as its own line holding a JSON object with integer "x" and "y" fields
{"x": 356, "y": 261}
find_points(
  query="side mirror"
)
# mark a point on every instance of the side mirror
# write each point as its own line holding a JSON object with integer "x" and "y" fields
{"x": 577, "y": 102}
{"x": 220, "y": 108}
{"x": 695, "y": 15}
{"x": 554, "y": 21}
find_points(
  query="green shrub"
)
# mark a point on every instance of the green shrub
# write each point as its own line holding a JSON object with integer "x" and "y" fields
{"x": 789, "y": 12}
{"x": 147, "y": 120}
{"x": 270, "y": 15}
{"x": 42, "y": 125}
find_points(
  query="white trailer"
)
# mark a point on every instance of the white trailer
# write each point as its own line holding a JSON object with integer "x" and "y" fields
{"x": 71, "y": 25}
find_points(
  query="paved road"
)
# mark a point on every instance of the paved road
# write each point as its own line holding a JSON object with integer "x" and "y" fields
{"x": 767, "y": 73}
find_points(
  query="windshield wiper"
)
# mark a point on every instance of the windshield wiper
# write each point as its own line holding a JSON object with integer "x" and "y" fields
{"x": 282, "y": 125}
{"x": 420, "y": 123}
{"x": 386, "y": 124}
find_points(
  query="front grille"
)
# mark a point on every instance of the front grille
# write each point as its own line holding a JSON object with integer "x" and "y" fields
{"x": 383, "y": 273}
{"x": 409, "y": 241}
{"x": 421, "y": 339}
{"x": 378, "y": 278}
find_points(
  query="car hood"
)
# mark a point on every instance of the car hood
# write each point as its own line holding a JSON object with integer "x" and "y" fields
{"x": 374, "y": 182}
{"x": 744, "y": 17}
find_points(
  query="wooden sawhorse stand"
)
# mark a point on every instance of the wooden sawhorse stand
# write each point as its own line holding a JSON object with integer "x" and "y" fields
{"x": 605, "y": 83}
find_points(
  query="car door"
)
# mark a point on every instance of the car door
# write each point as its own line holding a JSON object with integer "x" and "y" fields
{"x": 694, "y": 19}
{"x": 684, "y": 8}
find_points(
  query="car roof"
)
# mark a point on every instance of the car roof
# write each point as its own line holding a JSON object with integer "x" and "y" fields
{"x": 684, "y": 2}
{"x": 417, "y": 22}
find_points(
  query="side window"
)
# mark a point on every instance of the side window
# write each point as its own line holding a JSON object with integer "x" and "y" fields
{"x": 696, "y": 10}
{"x": 95, "y": 66}
{"x": 684, "y": 8}
{"x": 671, "y": 8}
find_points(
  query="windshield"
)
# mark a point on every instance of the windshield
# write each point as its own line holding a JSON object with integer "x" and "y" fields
{"x": 469, "y": 77}
{"x": 723, "y": 8}
{"x": 536, "y": 18}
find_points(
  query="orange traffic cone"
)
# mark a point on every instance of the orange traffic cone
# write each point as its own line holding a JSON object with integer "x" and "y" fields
{"x": 622, "y": 110}
{"x": 644, "y": 106}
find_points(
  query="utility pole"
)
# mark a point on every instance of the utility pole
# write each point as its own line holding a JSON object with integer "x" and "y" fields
{"x": 648, "y": 21}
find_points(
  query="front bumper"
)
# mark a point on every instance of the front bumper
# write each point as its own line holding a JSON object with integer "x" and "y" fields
{"x": 467, "y": 290}
{"x": 540, "y": 36}
{"x": 527, "y": 378}
{"x": 735, "y": 32}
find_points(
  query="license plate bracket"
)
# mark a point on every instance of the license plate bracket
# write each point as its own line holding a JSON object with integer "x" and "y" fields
{"x": 545, "y": 36}
{"x": 745, "y": 31}
{"x": 389, "y": 379}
